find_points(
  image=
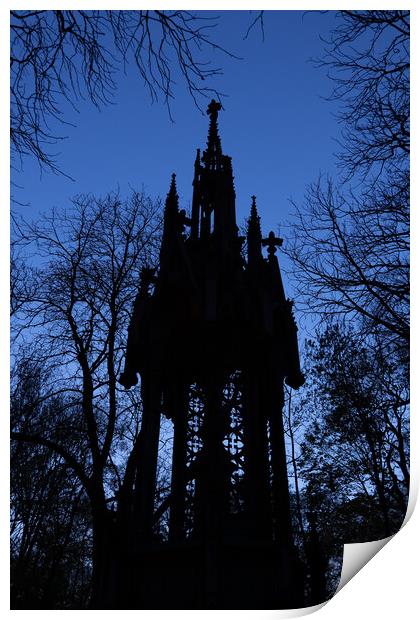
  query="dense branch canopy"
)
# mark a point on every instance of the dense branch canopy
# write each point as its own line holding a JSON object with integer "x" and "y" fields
{"x": 63, "y": 56}
{"x": 368, "y": 59}
{"x": 350, "y": 242}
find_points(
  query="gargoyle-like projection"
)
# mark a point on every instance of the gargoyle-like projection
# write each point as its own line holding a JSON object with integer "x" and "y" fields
{"x": 213, "y": 339}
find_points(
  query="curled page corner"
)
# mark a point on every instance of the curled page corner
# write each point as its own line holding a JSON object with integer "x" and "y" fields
{"x": 302, "y": 611}
{"x": 412, "y": 499}
{"x": 357, "y": 555}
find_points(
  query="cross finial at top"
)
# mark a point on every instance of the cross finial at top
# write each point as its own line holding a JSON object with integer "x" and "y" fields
{"x": 213, "y": 108}
{"x": 272, "y": 242}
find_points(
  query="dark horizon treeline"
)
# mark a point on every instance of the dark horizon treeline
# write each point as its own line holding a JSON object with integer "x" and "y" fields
{"x": 75, "y": 275}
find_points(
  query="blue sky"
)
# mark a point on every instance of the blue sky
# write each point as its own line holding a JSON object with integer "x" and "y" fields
{"x": 276, "y": 126}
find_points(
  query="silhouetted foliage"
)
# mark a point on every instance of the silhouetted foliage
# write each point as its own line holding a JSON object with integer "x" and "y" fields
{"x": 348, "y": 430}
{"x": 351, "y": 256}
{"x": 50, "y": 524}
{"x": 350, "y": 242}
{"x": 353, "y": 264}
{"x": 348, "y": 433}
{"x": 68, "y": 410}
{"x": 75, "y": 273}
{"x": 367, "y": 57}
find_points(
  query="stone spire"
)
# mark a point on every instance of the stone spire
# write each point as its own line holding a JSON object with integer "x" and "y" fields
{"x": 254, "y": 219}
{"x": 171, "y": 203}
{"x": 170, "y": 220}
{"x": 212, "y": 156}
{"x": 195, "y": 210}
{"x": 254, "y": 235}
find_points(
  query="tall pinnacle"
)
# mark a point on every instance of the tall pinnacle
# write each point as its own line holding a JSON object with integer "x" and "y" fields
{"x": 170, "y": 215}
{"x": 254, "y": 226}
{"x": 254, "y": 235}
{"x": 254, "y": 217}
{"x": 214, "y": 147}
{"x": 172, "y": 197}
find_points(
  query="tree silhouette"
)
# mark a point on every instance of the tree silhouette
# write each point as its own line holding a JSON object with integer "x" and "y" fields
{"x": 351, "y": 256}
{"x": 350, "y": 242}
{"x": 367, "y": 57}
{"x": 347, "y": 436}
{"x": 348, "y": 430}
{"x": 50, "y": 528}
{"x": 76, "y": 312}
{"x": 60, "y": 57}
{"x": 76, "y": 434}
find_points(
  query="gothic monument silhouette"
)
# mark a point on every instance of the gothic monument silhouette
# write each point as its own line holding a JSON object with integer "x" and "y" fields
{"x": 213, "y": 339}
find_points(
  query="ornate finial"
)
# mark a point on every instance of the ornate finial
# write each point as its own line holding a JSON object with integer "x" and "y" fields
{"x": 173, "y": 182}
{"x": 254, "y": 234}
{"x": 272, "y": 242}
{"x": 213, "y": 109}
{"x": 254, "y": 218}
{"x": 213, "y": 155}
{"x": 254, "y": 212}
{"x": 172, "y": 197}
